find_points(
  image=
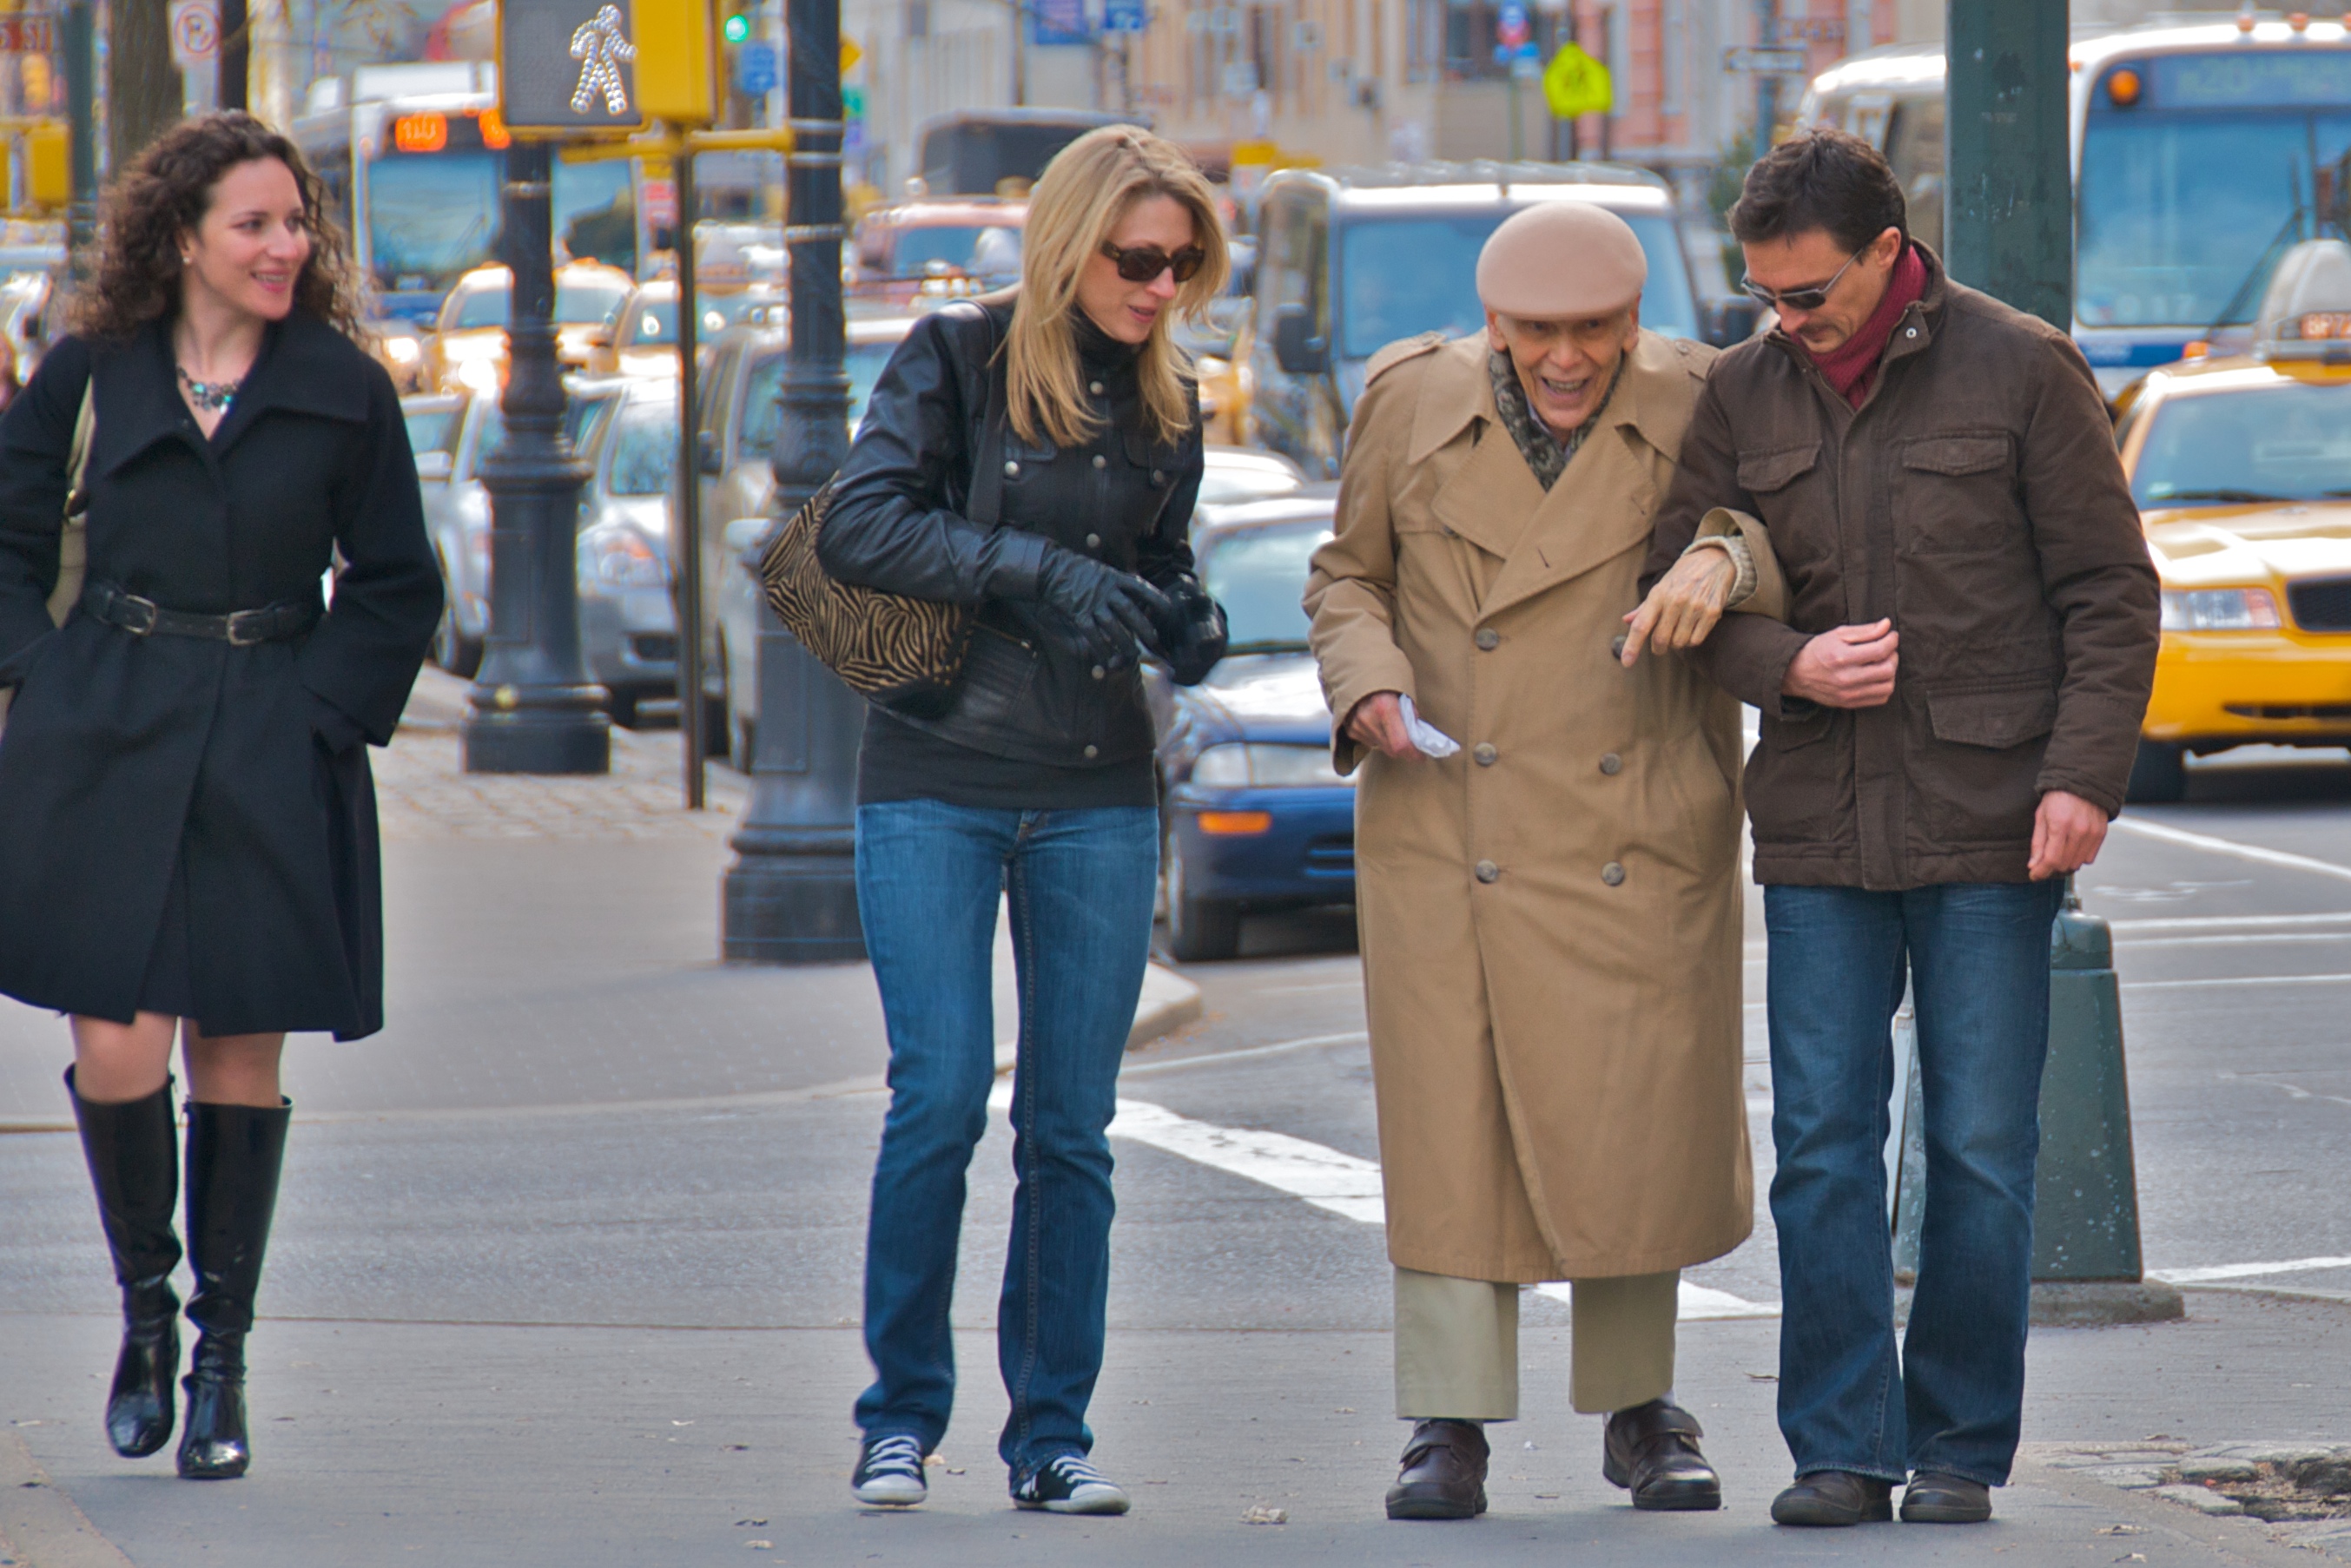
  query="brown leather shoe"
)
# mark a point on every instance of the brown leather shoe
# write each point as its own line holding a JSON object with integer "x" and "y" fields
{"x": 1652, "y": 1451}
{"x": 1444, "y": 1474}
{"x": 1933, "y": 1497}
{"x": 1834, "y": 1498}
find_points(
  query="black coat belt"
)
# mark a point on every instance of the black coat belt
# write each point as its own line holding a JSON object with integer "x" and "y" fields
{"x": 241, "y": 628}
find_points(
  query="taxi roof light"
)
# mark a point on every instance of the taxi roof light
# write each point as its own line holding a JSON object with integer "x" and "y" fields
{"x": 2306, "y": 312}
{"x": 2124, "y": 86}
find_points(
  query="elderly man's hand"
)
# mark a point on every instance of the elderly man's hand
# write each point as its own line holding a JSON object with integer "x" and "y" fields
{"x": 1377, "y": 722}
{"x": 2067, "y": 833}
{"x": 1851, "y": 667}
{"x": 1684, "y": 606}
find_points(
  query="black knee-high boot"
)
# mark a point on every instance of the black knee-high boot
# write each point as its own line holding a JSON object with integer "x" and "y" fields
{"x": 234, "y": 1155}
{"x": 134, "y": 1165}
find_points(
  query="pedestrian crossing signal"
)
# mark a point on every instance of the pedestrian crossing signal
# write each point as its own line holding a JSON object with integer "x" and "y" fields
{"x": 582, "y": 67}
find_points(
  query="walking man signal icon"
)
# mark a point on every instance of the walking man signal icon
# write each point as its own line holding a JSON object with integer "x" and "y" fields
{"x": 601, "y": 47}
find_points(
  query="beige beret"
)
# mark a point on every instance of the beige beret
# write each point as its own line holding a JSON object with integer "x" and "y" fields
{"x": 1559, "y": 259}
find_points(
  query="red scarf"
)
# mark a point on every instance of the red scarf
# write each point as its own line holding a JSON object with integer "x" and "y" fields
{"x": 1850, "y": 367}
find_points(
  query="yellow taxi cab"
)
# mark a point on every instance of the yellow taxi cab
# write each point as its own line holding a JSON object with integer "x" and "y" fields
{"x": 642, "y": 337}
{"x": 2242, "y": 469}
{"x": 467, "y": 350}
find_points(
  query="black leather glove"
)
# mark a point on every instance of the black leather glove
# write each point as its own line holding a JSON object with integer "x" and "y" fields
{"x": 1192, "y": 634}
{"x": 1106, "y": 612}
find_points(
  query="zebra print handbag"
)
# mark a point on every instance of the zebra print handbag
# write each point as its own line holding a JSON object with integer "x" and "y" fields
{"x": 904, "y": 654}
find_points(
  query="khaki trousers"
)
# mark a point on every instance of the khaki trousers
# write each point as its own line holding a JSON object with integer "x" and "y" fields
{"x": 1457, "y": 1346}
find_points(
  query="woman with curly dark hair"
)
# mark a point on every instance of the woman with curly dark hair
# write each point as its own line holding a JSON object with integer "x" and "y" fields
{"x": 187, "y": 825}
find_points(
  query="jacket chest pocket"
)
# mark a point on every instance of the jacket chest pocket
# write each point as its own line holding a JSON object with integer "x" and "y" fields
{"x": 1955, "y": 493}
{"x": 1786, "y": 485}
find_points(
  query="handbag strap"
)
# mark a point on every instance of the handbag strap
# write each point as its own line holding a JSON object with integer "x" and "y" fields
{"x": 987, "y": 500}
{"x": 77, "y": 455}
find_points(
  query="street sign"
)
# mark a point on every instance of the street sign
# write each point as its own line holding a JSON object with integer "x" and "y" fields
{"x": 1510, "y": 27}
{"x": 850, "y": 53}
{"x": 1770, "y": 62}
{"x": 567, "y": 66}
{"x": 1574, "y": 83}
{"x": 195, "y": 27}
{"x": 28, "y": 33}
{"x": 755, "y": 69}
{"x": 1526, "y": 64}
{"x": 1057, "y": 22}
{"x": 1126, "y": 17}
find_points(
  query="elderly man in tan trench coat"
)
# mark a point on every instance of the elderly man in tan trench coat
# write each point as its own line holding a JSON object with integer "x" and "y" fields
{"x": 1550, "y": 915}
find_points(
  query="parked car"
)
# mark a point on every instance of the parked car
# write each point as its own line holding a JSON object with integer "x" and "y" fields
{"x": 2241, "y": 465}
{"x": 1352, "y": 260}
{"x": 451, "y": 433}
{"x": 737, "y": 443}
{"x": 628, "y": 619}
{"x": 1233, "y": 474}
{"x": 642, "y": 337}
{"x": 467, "y": 348}
{"x": 963, "y": 246}
{"x": 1255, "y": 816}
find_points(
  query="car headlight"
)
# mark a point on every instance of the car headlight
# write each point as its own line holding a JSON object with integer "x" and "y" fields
{"x": 620, "y": 558}
{"x": 2219, "y": 610}
{"x": 480, "y": 375}
{"x": 1268, "y": 766}
{"x": 403, "y": 350}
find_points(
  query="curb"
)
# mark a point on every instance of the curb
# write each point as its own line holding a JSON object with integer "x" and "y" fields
{"x": 1168, "y": 1003}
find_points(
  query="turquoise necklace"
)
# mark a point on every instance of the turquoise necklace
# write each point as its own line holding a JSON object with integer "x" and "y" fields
{"x": 211, "y": 396}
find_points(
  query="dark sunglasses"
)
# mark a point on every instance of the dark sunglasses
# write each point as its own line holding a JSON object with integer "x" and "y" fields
{"x": 1800, "y": 298}
{"x": 1143, "y": 264}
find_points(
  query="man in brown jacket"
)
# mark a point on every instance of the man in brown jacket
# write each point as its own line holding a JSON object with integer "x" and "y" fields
{"x": 1950, "y": 712}
{"x": 1549, "y": 908}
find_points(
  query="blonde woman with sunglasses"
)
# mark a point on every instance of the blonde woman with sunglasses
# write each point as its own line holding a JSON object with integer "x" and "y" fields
{"x": 1034, "y": 454}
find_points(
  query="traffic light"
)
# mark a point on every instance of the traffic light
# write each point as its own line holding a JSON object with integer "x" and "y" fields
{"x": 738, "y": 27}
{"x": 678, "y": 68}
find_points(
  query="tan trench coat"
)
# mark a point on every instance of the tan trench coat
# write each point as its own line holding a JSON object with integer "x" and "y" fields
{"x": 1551, "y": 917}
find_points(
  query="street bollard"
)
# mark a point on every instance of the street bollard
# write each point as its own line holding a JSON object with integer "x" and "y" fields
{"x": 2086, "y": 1268}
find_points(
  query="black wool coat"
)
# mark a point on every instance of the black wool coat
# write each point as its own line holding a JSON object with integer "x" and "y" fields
{"x": 125, "y": 757}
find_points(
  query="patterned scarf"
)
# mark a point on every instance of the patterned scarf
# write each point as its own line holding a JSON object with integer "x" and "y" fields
{"x": 1545, "y": 454}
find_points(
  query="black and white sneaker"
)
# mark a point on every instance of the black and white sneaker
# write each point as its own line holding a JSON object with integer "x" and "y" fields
{"x": 890, "y": 1471}
{"x": 1066, "y": 1484}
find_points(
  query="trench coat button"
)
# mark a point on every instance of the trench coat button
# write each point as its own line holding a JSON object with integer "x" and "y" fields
{"x": 1617, "y": 644}
{"x": 1612, "y": 764}
{"x": 1012, "y": 469}
{"x": 1488, "y": 872}
{"x": 1485, "y": 754}
{"x": 1488, "y": 639}
{"x": 1093, "y": 751}
{"x": 1101, "y": 461}
{"x": 1095, "y": 388}
{"x": 1612, "y": 873}
{"x": 1447, "y": 529}
{"x": 1094, "y": 541}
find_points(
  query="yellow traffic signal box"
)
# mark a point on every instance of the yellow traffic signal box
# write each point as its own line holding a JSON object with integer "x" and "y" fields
{"x": 49, "y": 165}
{"x": 677, "y": 60}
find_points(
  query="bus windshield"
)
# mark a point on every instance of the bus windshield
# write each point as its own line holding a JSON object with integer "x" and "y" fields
{"x": 2179, "y": 210}
{"x": 1401, "y": 276}
{"x": 431, "y": 217}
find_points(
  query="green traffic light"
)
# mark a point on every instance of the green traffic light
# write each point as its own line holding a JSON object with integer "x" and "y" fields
{"x": 737, "y": 28}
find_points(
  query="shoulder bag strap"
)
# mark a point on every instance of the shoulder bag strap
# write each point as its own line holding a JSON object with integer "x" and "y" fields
{"x": 987, "y": 502}
{"x": 78, "y": 454}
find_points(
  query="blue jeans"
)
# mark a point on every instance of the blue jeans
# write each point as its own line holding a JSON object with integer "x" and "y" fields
{"x": 1081, "y": 883}
{"x": 1978, "y": 961}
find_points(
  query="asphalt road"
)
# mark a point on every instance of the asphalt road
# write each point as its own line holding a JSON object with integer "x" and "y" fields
{"x": 582, "y": 1317}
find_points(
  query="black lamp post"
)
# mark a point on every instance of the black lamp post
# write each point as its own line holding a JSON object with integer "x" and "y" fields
{"x": 791, "y": 894}
{"x": 534, "y": 709}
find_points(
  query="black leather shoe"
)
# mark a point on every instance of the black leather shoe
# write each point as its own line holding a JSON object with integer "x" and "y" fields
{"x": 1834, "y": 1498}
{"x": 1652, "y": 1451}
{"x": 1444, "y": 1474}
{"x": 234, "y": 1155}
{"x": 1933, "y": 1499}
{"x": 133, "y": 1154}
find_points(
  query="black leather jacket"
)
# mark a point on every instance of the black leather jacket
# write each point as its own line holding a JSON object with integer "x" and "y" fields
{"x": 900, "y": 523}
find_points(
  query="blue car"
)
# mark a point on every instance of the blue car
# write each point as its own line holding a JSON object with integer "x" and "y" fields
{"x": 1254, "y": 813}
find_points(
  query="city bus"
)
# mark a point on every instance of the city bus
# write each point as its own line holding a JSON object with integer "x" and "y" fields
{"x": 412, "y": 158}
{"x": 2201, "y": 153}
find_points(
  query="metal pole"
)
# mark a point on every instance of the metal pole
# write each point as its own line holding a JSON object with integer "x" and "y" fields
{"x": 236, "y": 50}
{"x": 792, "y": 895}
{"x": 80, "y": 42}
{"x": 2008, "y": 226}
{"x": 534, "y": 709}
{"x": 688, "y": 552}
